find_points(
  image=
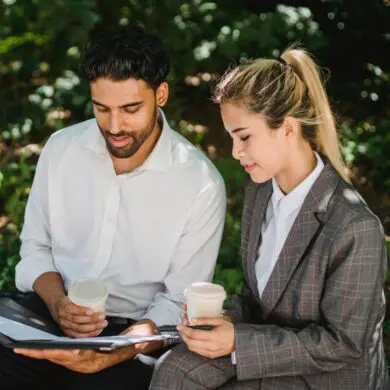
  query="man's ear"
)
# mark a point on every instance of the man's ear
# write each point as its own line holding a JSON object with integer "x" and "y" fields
{"x": 162, "y": 93}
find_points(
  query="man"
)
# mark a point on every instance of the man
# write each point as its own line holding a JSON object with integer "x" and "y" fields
{"x": 122, "y": 198}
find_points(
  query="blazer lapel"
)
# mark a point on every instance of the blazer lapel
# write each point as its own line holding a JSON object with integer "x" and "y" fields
{"x": 306, "y": 226}
{"x": 257, "y": 213}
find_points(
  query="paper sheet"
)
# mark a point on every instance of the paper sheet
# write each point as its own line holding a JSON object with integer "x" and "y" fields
{"x": 18, "y": 331}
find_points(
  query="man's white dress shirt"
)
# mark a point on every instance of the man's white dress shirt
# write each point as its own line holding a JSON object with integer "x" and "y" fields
{"x": 280, "y": 215}
{"x": 147, "y": 234}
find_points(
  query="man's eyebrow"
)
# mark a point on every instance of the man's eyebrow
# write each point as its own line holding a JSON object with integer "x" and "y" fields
{"x": 131, "y": 104}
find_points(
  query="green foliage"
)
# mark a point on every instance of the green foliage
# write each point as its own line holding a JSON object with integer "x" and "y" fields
{"x": 387, "y": 281}
{"x": 367, "y": 145}
{"x": 386, "y": 327}
{"x": 16, "y": 182}
{"x": 41, "y": 43}
{"x": 229, "y": 271}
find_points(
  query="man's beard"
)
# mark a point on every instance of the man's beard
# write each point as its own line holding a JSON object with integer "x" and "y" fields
{"x": 137, "y": 139}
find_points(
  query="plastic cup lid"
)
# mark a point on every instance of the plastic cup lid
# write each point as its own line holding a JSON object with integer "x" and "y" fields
{"x": 88, "y": 290}
{"x": 206, "y": 290}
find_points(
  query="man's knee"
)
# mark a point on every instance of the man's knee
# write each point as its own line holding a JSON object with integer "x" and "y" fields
{"x": 129, "y": 374}
{"x": 19, "y": 372}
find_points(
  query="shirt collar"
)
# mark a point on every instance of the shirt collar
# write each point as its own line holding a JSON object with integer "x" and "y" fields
{"x": 159, "y": 159}
{"x": 296, "y": 197}
{"x": 92, "y": 139}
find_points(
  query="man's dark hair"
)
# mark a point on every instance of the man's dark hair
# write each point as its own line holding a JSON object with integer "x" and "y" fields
{"x": 120, "y": 53}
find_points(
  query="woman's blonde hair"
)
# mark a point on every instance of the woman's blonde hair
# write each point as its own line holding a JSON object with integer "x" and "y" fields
{"x": 290, "y": 86}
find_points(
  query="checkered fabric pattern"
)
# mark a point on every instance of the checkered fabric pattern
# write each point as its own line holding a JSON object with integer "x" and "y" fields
{"x": 318, "y": 325}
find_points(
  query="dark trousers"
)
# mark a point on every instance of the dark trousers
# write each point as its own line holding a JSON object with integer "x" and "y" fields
{"x": 21, "y": 373}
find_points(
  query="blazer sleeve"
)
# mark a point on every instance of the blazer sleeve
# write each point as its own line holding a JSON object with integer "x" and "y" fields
{"x": 351, "y": 308}
{"x": 236, "y": 308}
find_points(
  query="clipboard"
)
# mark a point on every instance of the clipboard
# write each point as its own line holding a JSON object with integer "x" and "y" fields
{"x": 97, "y": 343}
{"x": 21, "y": 328}
{"x": 53, "y": 344}
{"x": 13, "y": 311}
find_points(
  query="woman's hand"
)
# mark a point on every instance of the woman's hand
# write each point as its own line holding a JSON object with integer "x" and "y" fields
{"x": 209, "y": 343}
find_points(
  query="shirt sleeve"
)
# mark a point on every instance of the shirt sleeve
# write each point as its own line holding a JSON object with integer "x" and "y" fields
{"x": 195, "y": 256}
{"x": 36, "y": 255}
{"x": 352, "y": 297}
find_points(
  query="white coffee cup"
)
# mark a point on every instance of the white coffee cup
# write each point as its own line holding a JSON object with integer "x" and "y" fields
{"x": 90, "y": 293}
{"x": 204, "y": 300}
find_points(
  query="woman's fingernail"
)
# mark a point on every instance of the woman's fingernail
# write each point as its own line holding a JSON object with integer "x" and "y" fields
{"x": 88, "y": 312}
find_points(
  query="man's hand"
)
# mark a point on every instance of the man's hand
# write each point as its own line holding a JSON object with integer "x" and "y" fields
{"x": 209, "y": 343}
{"x": 87, "y": 361}
{"x": 83, "y": 361}
{"x": 77, "y": 321}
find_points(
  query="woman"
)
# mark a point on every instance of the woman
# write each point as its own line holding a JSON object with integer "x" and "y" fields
{"x": 311, "y": 312}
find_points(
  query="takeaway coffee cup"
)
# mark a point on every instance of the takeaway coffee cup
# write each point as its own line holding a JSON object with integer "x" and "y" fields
{"x": 90, "y": 293}
{"x": 204, "y": 300}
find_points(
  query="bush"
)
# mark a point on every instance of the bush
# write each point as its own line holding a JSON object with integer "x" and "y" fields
{"x": 367, "y": 146}
{"x": 42, "y": 92}
{"x": 229, "y": 269}
{"x": 15, "y": 182}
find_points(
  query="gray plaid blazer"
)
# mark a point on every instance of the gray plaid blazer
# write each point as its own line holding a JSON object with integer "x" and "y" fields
{"x": 318, "y": 324}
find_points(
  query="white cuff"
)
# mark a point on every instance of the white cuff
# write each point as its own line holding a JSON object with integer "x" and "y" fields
{"x": 28, "y": 270}
{"x": 233, "y": 357}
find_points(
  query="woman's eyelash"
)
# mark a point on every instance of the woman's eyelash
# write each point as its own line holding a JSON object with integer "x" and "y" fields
{"x": 244, "y": 138}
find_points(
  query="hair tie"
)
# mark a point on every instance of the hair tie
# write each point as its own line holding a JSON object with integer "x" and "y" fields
{"x": 287, "y": 65}
{"x": 282, "y": 61}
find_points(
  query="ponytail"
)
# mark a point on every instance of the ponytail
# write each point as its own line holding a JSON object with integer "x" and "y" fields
{"x": 326, "y": 138}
